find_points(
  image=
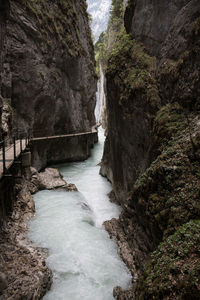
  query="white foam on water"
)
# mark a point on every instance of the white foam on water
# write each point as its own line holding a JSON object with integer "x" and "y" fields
{"x": 83, "y": 258}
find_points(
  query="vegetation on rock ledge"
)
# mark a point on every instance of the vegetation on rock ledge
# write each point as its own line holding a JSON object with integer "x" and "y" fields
{"x": 133, "y": 70}
{"x": 164, "y": 202}
{"x": 55, "y": 19}
{"x": 174, "y": 271}
{"x": 168, "y": 193}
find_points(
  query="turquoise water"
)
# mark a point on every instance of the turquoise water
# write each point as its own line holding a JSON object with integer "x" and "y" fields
{"x": 83, "y": 258}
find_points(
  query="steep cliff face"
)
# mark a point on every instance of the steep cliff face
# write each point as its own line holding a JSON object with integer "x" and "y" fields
{"x": 152, "y": 151}
{"x": 47, "y": 86}
{"x": 48, "y": 75}
{"x": 129, "y": 121}
{"x": 175, "y": 38}
{"x": 130, "y": 75}
{"x": 152, "y": 22}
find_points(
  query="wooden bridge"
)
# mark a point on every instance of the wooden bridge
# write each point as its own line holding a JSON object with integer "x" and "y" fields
{"x": 10, "y": 151}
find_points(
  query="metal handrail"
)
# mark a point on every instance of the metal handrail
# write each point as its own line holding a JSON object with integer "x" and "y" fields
{"x": 16, "y": 138}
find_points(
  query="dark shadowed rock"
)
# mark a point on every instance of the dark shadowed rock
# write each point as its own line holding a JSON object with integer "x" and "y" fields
{"x": 3, "y": 282}
{"x": 152, "y": 22}
{"x": 24, "y": 274}
{"x": 48, "y": 66}
{"x": 152, "y": 149}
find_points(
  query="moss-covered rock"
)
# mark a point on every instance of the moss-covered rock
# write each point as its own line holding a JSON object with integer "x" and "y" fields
{"x": 56, "y": 20}
{"x": 153, "y": 143}
{"x": 133, "y": 70}
{"x": 174, "y": 270}
{"x": 166, "y": 197}
{"x": 169, "y": 190}
{"x": 169, "y": 120}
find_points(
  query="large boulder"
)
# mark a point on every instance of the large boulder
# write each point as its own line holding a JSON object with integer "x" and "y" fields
{"x": 49, "y": 179}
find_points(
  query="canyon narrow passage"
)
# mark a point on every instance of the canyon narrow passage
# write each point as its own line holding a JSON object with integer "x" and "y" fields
{"x": 83, "y": 259}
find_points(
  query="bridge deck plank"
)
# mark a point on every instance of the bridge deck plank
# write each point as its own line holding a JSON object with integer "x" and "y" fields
{"x": 10, "y": 149}
{"x": 10, "y": 155}
{"x": 60, "y": 136}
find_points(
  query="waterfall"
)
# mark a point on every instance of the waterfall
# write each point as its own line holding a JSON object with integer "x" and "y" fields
{"x": 101, "y": 99}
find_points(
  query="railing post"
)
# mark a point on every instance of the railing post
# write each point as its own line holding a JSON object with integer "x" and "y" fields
{"x": 14, "y": 147}
{"x": 4, "y": 157}
{"x": 20, "y": 145}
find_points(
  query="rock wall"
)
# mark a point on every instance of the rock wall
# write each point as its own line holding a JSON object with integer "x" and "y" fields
{"x": 130, "y": 124}
{"x": 149, "y": 22}
{"x": 47, "y": 88}
{"x": 151, "y": 151}
{"x": 48, "y": 76}
{"x": 20, "y": 260}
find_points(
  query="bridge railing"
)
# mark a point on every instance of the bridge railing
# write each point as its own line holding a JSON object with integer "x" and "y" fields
{"x": 18, "y": 138}
{"x": 42, "y": 133}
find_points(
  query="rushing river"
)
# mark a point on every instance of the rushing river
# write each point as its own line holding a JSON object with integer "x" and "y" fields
{"x": 83, "y": 258}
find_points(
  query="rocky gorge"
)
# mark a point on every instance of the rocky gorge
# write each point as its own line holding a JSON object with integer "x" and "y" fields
{"x": 151, "y": 149}
{"x": 47, "y": 66}
{"x": 47, "y": 88}
{"x": 148, "y": 66}
{"x": 24, "y": 274}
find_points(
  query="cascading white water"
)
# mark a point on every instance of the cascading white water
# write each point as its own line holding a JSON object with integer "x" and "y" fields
{"x": 83, "y": 258}
{"x": 100, "y": 96}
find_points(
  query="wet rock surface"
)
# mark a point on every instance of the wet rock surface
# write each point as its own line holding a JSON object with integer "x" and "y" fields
{"x": 24, "y": 274}
{"x": 116, "y": 232}
{"x": 49, "y": 179}
{"x": 23, "y": 271}
{"x": 121, "y": 294}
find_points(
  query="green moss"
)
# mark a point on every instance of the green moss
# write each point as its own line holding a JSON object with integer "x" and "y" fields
{"x": 169, "y": 121}
{"x": 174, "y": 270}
{"x": 132, "y": 69}
{"x": 9, "y": 107}
{"x": 196, "y": 27}
{"x": 116, "y": 16}
{"x": 108, "y": 38}
{"x": 169, "y": 190}
{"x": 58, "y": 19}
{"x": 171, "y": 68}
{"x": 101, "y": 53}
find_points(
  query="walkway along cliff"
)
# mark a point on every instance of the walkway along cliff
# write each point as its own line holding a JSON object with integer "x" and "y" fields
{"x": 151, "y": 153}
{"x": 47, "y": 88}
{"x": 48, "y": 80}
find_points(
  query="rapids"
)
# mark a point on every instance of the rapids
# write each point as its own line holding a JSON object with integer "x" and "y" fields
{"x": 83, "y": 258}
